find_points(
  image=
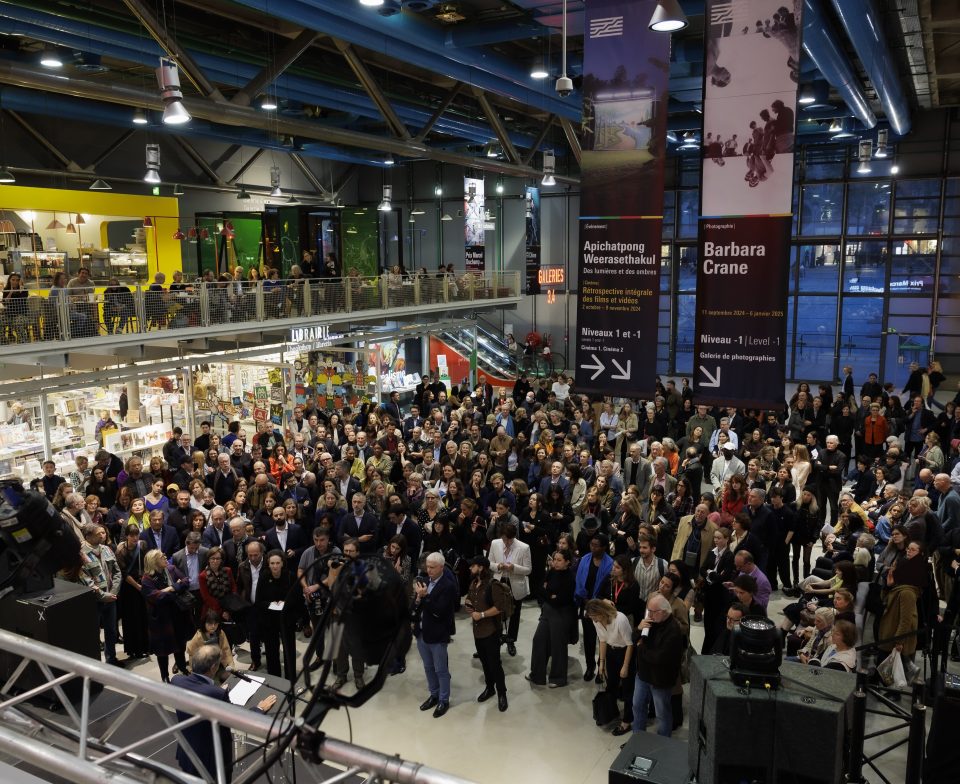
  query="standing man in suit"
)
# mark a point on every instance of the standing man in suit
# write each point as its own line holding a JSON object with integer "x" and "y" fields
{"x": 345, "y": 483}
{"x": 192, "y": 560}
{"x": 248, "y": 579}
{"x": 215, "y": 534}
{"x": 637, "y": 472}
{"x": 399, "y": 523}
{"x": 392, "y": 407}
{"x": 435, "y": 604}
{"x": 286, "y": 537}
{"x": 223, "y": 481}
{"x": 235, "y": 548}
{"x": 510, "y": 561}
{"x": 159, "y": 536}
{"x": 204, "y": 665}
{"x": 360, "y": 524}
{"x": 556, "y": 478}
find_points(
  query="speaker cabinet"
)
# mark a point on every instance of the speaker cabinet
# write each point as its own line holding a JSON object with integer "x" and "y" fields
{"x": 649, "y": 758}
{"x": 65, "y": 617}
{"x": 795, "y": 734}
{"x": 943, "y": 753}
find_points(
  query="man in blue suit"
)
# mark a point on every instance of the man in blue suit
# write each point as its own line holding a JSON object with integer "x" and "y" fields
{"x": 160, "y": 536}
{"x": 204, "y": 665}
{"x": 360, "y": 524}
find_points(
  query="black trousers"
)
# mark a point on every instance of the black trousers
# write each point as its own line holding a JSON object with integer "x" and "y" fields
{"x": 588, "y": 634}
{"x": 513, "y": 625}
{"x": 781, "y": 556}
{"x": 621, "y": 688}
{"x": 550, "y": 643}
{"x": 488, "y": 648}
{"x": 253, "y": 635}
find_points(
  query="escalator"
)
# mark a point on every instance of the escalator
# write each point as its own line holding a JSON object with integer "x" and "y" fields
{"x": 493, "y": 358}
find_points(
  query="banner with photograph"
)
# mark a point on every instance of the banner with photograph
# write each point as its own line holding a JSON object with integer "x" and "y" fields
{"x": 532, "y": 248}
{"x": 625, "y": 93}
{"x": 749, "y": 119}
{"x": 473, "y": 220}
{"x": 750, "y": 97}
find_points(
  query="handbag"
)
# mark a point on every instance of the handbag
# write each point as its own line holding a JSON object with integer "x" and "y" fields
{"x": 234, "y": 603}
{"x": 185, "y": 600}
{"x": 605, "y": 708}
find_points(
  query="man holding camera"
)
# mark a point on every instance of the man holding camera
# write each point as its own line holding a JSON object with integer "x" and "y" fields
{"x": 435, "y": 602}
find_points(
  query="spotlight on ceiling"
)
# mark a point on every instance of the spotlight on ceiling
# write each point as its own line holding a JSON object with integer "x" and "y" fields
{"x": 371, "y": 3}
{"x": 385, "y": 205}
{"x": 389, "y": 161}
{"x": 243, "y": 195}
{"x": 883, "y": 139}
{"x": 153, "y": 164}
{"x": 845, "y": 130}
{"x": 549, "y": 168}
{"x": 539, "y": 69}
{"x": 168, "y": 78}
{"x": 275, "y": 182}
{"x": 140, "y": 117}
{"x": 6, "y": 176}
{"x": 806, "y": 96}
{"x": 268, "y": 104}
{"x": 864, "y": 154}
{"x": 178, "y": 190}
{"x": 689, "y": 141}
{"x": 50, "y": 58}
{"x": 668, "y": 17}
{"x": 101, "y": 185}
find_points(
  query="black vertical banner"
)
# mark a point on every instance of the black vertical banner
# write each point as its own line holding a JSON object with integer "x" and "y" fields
{"x": 741, "y": 320}
{"x": 750, "y": 96}
{"x": 625, "y": 92}
{"x": 532, "y": 245}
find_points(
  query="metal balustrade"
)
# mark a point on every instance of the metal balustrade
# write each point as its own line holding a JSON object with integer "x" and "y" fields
{"x": 49, "y": 315}
{"x": 77, "y": 746}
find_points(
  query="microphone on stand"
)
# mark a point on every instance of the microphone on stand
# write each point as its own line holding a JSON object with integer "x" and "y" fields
{"x": 239, "y": 675}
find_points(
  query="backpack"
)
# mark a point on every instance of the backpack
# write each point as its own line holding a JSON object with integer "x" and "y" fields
{"x": 506, "y": 597}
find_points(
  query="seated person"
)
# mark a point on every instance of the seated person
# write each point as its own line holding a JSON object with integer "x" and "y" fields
{"x": 840, "y": 654}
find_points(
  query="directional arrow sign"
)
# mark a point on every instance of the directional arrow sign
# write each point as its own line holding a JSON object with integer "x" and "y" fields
{"x": 624, "y": 375}
{"x": 712, "y": 381}
{"x": 599, "y": 367}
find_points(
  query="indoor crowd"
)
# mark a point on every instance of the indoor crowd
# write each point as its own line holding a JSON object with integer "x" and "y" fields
{"x": 608, "y": 523}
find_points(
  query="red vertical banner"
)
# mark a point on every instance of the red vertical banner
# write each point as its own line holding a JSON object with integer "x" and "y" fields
{"x": 750, "y": 96}
{"x": 625, "y": 92}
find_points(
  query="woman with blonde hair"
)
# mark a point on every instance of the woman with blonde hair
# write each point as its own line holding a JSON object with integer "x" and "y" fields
{"x": 800, "y": 472}
{"x": 616, "y": 664}
{"x": 168, "y": 622}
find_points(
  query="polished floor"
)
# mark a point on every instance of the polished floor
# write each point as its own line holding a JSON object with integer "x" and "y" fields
{"x": 546, "y": 735}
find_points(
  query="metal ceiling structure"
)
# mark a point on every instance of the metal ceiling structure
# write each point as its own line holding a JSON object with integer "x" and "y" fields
{"x": 426, "y": 79}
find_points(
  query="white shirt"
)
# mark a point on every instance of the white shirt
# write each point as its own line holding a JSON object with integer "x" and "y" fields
{"x": 282, "y": 537}
{"x": 618, "y": 634}
{"x": 254, "y": 579}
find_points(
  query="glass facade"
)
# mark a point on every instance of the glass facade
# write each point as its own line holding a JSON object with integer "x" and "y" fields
{"x": 874, "y": 271}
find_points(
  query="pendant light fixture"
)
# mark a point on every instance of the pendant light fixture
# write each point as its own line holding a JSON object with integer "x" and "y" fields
{"x": 54, "y": 225}
{"x": 140, "y": 117}
{"x": 148, "y": 222}
{"x": 71, "y": 229}
{"x": 385, "y": 205}
{"x": 168, "y": 77}
{"x": 153, "y": 164}
{"x": 275, "y": 182}
{"x": 178, "y": 190}
{"x": 50, "y": 57}
{"x": 80, "y": 221}
{"x": 101, "y": 185}
{"x": 668, "y": 17}
{"x": 549, "y": 167}
{"x": 178, "y": 234}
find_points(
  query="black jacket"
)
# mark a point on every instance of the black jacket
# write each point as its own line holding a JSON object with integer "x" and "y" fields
{"x": 659, "y": 654}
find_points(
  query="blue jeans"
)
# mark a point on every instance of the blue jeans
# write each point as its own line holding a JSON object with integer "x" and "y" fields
{"x": 643, "y": 692}
{"x": 108, "y": 622}
{"x": 435, "y": 667}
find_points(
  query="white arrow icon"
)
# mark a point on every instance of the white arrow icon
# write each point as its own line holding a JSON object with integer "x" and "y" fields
{"x": 624, "y": 374}
{"x": 712, "y": 381}
{"x": 599, "y": 367}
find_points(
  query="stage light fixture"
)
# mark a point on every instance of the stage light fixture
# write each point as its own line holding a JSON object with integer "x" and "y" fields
{"x": 756, "y": 651}
{"x": 668, "y": 17}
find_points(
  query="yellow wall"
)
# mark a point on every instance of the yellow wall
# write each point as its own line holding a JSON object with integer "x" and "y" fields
{"x": 163, "y": 252}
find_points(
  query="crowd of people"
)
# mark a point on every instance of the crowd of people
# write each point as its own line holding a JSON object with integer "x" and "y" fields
{"x": 615, "y": 525}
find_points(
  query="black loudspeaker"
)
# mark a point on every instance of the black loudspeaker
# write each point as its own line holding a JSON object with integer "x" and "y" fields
{"x": 648, "y": 757}
{"x": 943, "y": 752}
{"x": 794, "y": 734}
{"x": 65, "y": 617}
